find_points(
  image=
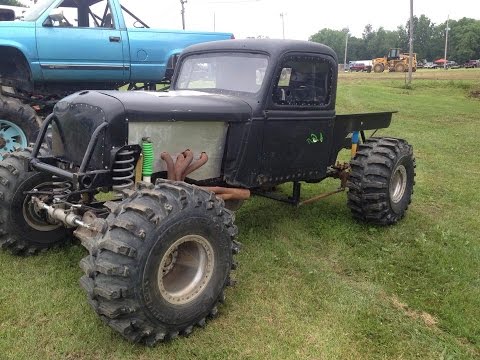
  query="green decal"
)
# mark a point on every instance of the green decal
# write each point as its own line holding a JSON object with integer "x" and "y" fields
{"x": 313, "y": 138}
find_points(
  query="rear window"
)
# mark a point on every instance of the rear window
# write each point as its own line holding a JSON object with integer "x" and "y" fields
{"x": 304, "y": 81}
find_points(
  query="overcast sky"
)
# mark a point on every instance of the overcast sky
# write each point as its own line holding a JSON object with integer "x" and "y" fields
{"x": 302, "y": 18}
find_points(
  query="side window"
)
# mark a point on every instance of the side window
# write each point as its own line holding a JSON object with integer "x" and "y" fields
{"x": 303, "y": 81}
{"x": 81, "y": 14}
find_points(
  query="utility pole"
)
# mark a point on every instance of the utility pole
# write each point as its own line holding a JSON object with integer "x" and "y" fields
{"x": 282, "y": 15}
{"x": 410, "y": 55}
{"x": 346, "y": 47}
{"x": 446, "y": 44}
{"x": 183, "y": 2}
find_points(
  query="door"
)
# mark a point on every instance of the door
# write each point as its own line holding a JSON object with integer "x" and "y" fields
{"x": 299, "y": 123}
{"x": 80, "y": 41}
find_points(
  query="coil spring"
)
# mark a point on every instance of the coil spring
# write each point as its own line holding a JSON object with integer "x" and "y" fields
{"x": 60, "y": 187}
{"x": 123, "y": 170}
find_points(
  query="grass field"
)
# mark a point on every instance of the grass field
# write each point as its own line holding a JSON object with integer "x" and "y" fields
{"x": 312, "y": 282}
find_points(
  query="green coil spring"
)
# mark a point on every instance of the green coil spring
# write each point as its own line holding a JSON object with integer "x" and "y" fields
{"x": 147, "y": 147}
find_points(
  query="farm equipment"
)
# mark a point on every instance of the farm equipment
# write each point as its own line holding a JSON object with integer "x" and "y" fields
{"x": 394, "y": 61}
{"x": 242, "y": 117}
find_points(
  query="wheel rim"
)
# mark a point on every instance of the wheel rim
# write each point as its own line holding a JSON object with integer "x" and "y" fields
{"x": 398, "y": 184}
{"x": 185, "y": 269}
{"x": 12, "y": 137}
{"x": 36, "y": 218}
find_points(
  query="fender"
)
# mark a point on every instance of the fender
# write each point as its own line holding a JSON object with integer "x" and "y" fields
{"x": 29, "y": 53}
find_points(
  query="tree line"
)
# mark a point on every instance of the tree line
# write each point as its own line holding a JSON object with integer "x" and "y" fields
{"x": 11, "y": 3}
{"x": 428, "y": 40}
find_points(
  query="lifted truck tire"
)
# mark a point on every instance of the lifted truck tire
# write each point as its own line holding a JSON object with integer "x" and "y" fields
{"x": 23, "y": 230}
{"x": 381, "y": 181}
{"x": 19, "y": 125}
{"x": 171, "y": 229}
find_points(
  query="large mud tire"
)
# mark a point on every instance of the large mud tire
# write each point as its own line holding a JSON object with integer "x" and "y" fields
{"x": 21, "y": 232}
{"x": 133, "y": 275}
{"x": 381, "y": 181}
{"x": 20, "y": 119}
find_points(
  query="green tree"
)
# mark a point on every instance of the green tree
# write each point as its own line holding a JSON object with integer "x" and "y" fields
{"x": 428, "y": 40}
{"x": 333, "y": 38}
{"x": 464, "y": 38}
{"x": 11, "y": 3}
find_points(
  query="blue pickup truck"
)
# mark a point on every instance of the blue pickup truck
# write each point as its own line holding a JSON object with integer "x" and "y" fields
{"x": 62, "y": 46}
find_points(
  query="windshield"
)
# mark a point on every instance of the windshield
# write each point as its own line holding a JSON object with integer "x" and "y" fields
{"x": 240, "y": 72}
{"x": 38, "y": 9}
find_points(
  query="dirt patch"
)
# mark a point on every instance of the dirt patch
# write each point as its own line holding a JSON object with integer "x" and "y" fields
{"x": 475, "y": 93}
{"x": 427, "y": 318}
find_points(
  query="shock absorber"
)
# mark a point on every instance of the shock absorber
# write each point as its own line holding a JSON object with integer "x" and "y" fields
{"x": 123, "y": 170}
{"x": 147, "y": 159}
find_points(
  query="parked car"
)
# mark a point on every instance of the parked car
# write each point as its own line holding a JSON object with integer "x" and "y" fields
{"x": 453, "y": 65}
{"x": 472, "y": 64}
{"x": 430, "y": 65}
{"x": 358, "y": 67}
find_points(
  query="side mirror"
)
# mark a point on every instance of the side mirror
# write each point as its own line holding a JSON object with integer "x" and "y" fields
{"x": 55, "y": 15}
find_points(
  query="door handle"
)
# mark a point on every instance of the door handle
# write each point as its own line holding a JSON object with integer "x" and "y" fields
{"x": 114, "y": 38}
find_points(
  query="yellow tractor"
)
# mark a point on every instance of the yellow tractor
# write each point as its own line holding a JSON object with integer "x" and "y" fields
{"x": 395, "y": 61}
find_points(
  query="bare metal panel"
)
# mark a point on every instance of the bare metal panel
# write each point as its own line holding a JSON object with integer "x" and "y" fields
{"x": 175, "y": 137}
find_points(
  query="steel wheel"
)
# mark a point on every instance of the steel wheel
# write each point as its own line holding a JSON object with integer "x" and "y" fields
{"x": 398, "y": 184}
{"x": 185, "y": 269}
{"x": 12, "y": 137}
{"x": 38, "y": 218}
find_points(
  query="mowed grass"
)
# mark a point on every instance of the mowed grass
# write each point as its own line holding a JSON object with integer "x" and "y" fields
{"x": 312, "y": 282}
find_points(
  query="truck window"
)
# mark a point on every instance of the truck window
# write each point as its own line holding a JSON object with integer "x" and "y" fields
{"x": 303, "y": 81}
{"x": 7, "y": 15}
{"x": 131, "y": 20}
{"x": 83, "y": 14}
{"x": 239, "y": 72}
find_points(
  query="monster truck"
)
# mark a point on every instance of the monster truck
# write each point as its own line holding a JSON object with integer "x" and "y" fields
{"x": 242, "y": 116}
{"x": 63, "y": 46}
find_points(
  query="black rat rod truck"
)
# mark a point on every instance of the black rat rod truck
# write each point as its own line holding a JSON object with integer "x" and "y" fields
{"x": 242, "y": 116}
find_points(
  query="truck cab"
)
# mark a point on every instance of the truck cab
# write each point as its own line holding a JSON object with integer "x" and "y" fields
{"x": 291, "y": 88}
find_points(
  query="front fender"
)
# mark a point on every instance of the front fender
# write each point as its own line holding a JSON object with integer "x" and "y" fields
{"x": 23, "y": 39}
